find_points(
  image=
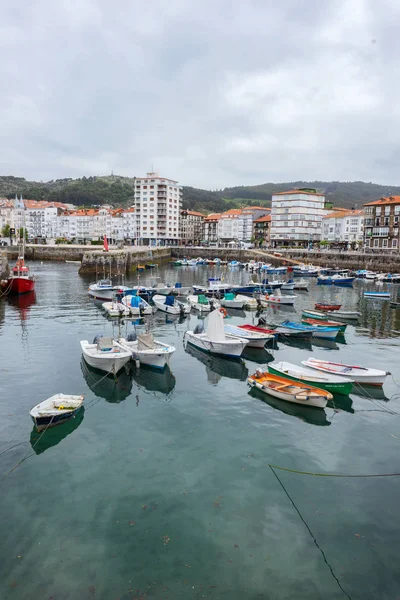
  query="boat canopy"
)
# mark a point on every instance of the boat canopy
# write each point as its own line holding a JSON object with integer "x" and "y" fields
{"x": 169, "y": 300}
{"x": 229, "y": 296}
{"x": 215, "y": 327}
{"x": 201, "y": 299}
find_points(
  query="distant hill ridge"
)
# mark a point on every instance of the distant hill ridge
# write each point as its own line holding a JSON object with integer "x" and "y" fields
{"x": 119, "y": 191}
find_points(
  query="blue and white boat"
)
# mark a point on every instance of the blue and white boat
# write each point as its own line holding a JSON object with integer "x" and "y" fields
{"x": 234, "y": 263}
{"x": 325, "y": 333}
{"x": 256, "y": 339}
{"x": 377, "y": 295}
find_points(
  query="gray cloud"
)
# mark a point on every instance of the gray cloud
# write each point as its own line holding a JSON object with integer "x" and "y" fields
{"x": 212, "y": 93}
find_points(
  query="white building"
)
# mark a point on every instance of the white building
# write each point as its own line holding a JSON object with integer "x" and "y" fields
{"x": 90, "y": 224}
{"x": 158, "y": 202}
{"x": 237, "y": 224}
{"x": 296, "y": 217}
{"x": 343, "y": 226}
{"x": 192, "y": 226}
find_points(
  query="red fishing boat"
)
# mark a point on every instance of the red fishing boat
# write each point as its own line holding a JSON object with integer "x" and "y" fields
{"x": 325, "y": 306}
{"x": 20, "y": 280}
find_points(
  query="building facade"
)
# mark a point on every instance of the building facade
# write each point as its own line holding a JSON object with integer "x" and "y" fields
{"x": 296, "y": 217}
{"x": 381, "y": 224}
{"x": 158, "y": 203}
{"x": 191, "y": 223}
{"x": 344, "y": 227}
{"x": 236, "y": 225}
{"x": 262, "y": 227}
{"x": 210, "y": 232}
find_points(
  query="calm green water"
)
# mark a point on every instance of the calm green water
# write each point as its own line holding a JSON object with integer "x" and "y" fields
{"x": 163, "y": 490}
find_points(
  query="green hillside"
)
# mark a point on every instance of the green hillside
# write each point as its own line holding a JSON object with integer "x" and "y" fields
{"x": 119, "y": 191}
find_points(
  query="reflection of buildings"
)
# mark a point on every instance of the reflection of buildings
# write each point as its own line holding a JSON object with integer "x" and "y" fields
{"x": 218, "y": 367}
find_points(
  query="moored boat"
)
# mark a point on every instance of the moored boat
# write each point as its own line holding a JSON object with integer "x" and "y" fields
{"x": 104, "y": 289}
{"x": 327, "y": 333}
{"x": 202, "y": 303}
{"x": 137, "y": 305}
{"x": 115, "y": 309}
{"x": 214, "y": 340}
{"x": 360, "y": 375}
{"x": 321, "y": 323}
{"x": 378, "y": 295}
{"x": 171, "y": 305}
{"x": 55, "y": 410}
{"x": 148, "y": 351}
{"x": 324, "y": 306}
{"x": 331, "y": 383}
{"x": 256, "y": 339}
{"x": 274, "y": 299}
{"x": 286, "y": 389}
{"x": 105, "y": 354}
{"x": 231, "y": 301}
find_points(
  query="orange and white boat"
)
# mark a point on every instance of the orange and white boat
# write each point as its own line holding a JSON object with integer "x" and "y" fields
{"x": 289, "y": 390}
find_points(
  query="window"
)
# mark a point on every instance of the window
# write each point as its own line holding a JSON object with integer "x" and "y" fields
{"x": 397, "y": 209}
{"x": 394, "y": 243}
{"x": 378, "y": 210}
{"x": 387, "y": 210}
{"x": 385, "y": 243}
{"x": 376, "y": 243}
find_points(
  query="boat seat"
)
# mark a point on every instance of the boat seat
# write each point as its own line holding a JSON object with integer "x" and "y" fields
{"x": 105, "y": 343}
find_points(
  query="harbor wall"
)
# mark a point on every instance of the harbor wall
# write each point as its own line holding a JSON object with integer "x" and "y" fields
{"x": 4, "y": 268}
{"x": 117, "y": 262}
{"x": 385, "y": 262}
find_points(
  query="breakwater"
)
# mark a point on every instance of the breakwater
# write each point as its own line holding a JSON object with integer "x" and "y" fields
{"x": 117, "y": 262}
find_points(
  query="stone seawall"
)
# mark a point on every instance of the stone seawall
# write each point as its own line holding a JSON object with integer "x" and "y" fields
{"x": 388, "y": 263}
{"x": 4, "y": 268}
{"x": 116, "y": 262}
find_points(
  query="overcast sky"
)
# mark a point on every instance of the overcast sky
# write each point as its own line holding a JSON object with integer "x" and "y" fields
{"x": 212, "y": 93}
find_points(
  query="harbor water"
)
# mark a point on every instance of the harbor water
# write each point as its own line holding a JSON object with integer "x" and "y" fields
{"x": 170, "y": 484}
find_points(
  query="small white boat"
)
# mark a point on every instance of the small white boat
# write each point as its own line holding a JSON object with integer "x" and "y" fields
{"x": 105, "y": 354}
{"x": 291, "y": 391}
{"x": 158, "y": 287}
{"x": 73, "y": 262}
{"x": 275, "y": 299}
{"x": 148, "y": 351}
{"x": 105, "y": 290}
{"x": 358, "y": 374}
{"x": 350, "y": 315}
{"x": 215, "y": 340}
{"x": 137, "y": 305}
{"x": 171, "y": 305}
{"x": 255, "y": 339}
{"x": 115, "y": 309}
{"x": 55, "y": 410}
{"x": 301, "y": 284}
{"x": 377, "y": 295}
{"x": 179, "y": 290}
{"x": 249, "y": 303}
{"x": 202, "y": 303}
{"x": 231, "y": 301}
{"x": 325, "y": 381}
{"x": 288, "y": 285}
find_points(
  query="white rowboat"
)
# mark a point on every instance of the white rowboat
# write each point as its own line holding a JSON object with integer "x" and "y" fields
{"x": 358, "y": 374}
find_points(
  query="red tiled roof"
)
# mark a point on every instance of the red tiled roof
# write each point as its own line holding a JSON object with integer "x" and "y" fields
{"x": 343, "y": 213}
{"x": 213, "y": 217}
{"x": 194, "y": 213}
{"x": 390, "y": 200}
{"x": 264, "y": 219}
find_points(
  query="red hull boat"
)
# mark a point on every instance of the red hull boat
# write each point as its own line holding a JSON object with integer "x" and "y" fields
{"x": 323, "y": 306}
{"x": 20, "y": 281}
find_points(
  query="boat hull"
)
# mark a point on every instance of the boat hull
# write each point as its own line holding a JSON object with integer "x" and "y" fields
{"x": 19, "y": 285}
{"x": 316, "y": 401}
{"x": 357, "y": 375}
{"x": 110, "y": 362}
{"x": 52, "y": 421}
{"x": 343, "y": 389}
{"x": 230, "y": 349}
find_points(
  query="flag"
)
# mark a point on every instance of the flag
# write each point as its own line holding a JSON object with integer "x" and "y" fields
{"x": 105, "y": 244}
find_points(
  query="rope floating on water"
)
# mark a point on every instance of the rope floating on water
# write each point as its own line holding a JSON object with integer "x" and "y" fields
{"x": 339, "y": 475}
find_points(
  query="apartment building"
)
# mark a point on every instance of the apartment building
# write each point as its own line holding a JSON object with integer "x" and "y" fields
{"x": 158, "y": 203}
{"x": 262, "y": 228}
{"x": 237, "y": 224}
{"x": 191, "y": 223}
{"x": 92, "y": 224}
{"x": 296, "y": 217}
{"x": 381, "y": 224}
{"x": 210, "y": 225}
{"x": 343, "y": 226}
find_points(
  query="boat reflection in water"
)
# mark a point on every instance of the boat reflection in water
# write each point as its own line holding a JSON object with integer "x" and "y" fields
{"x": 369, "y": 391}
{"x": 22, "y": 302}
{"x": 327, "y": 344}
{"x": 308, "y": 414}
{"x": 154, "y": 380}
{"x": 261, "y": 356}
{"x": 41, "y": 441}
{"x": 340, "y": 402}
{"x": 218, "y": 367}
{"x": 112, "y": 388}
{"x": 295, "y": 342}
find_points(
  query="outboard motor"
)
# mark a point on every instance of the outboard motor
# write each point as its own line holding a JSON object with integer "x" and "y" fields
{"x": 261, "y": 322}
{"x": 212, "y": 307}
{"x": 181, "y": 309}
{"x": 97, "y": 338}
{"x": 131, "y": 337}
{"x": 199, "y": 328}
{"x": 141, "y": 310}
